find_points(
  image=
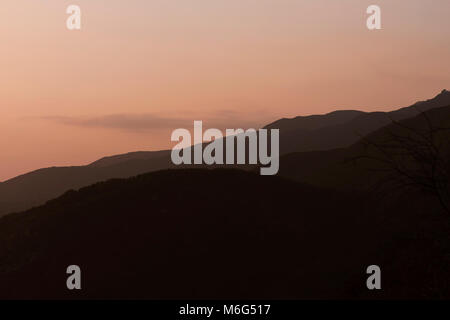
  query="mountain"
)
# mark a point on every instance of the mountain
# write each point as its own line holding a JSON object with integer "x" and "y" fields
{"x": 318, "y": 132}
{"x": 342, "y": 128}
{"x": 219, "y": 234}
{"x": 338, "y": 168}
{"x": 37, "y": 187}
{"x": 309, "y": 233}
{"x": 314, "y": 122}
{"x": 132, "y": 156}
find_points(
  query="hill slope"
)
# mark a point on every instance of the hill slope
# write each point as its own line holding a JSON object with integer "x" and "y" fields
{"x": 319, "y": 132}
{"x": 341, "y": 129}
{"x": 337, "y": 168}
{"x": 37, "y": 187}
{"x": 216, "y": 234}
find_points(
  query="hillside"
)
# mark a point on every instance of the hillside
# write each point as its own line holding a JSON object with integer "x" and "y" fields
{"x": 37, "y": 187}
{"x": 338, "y": 168}
{"x": 341, "y": 129}
{"x": 318, "y": 132}
{"x": 185, "y": 234}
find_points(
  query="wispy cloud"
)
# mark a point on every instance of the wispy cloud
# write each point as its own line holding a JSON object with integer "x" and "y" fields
{"x": 134, "y": 122}
{"x": 149, "y": 122}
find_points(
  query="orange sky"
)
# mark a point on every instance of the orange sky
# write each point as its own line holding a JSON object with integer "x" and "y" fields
{"x": 140, "y": 68}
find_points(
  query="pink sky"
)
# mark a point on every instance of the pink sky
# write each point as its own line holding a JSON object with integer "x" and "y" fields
{"x": 140, "y": 68}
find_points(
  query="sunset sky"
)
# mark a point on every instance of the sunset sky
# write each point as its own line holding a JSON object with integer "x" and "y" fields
{"x": 139, "y": 69}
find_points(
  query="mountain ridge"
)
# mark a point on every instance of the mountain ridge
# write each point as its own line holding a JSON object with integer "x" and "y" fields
{"x": 339, "y": 129}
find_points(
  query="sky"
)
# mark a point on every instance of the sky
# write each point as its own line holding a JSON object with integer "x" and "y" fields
{"x": 138, "y": 69}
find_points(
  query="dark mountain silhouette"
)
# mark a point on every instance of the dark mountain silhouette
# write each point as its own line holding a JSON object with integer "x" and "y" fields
{"x": 185, "y": 234}
{"x": 337, "y": 168}
{"x": 343, "y": 128}
{"x": 309, "y": 233}
{"x": 121, "y": 158}
{"x": 37, "y": 187}
{"x": 314, "y": 122}
{"x": 319, "y": 132}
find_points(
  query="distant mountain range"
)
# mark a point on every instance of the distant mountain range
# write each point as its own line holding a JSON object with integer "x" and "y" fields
{"x": 337, "y": 129}
{"x": 342, "y": 128}
{"x": 339, "y": 169}
{"x": 308, "y": 233}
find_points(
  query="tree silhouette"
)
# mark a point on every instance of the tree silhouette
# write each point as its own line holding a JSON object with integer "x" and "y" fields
{"x": 414, "y": 157}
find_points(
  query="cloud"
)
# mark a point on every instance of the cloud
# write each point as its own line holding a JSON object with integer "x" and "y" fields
{"x": 147, "y": 122}
{"x": 133, "y": 122}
